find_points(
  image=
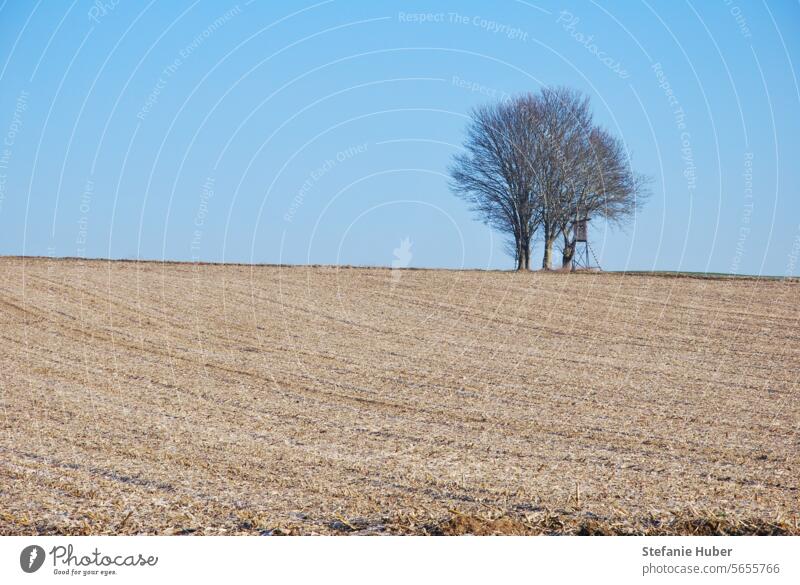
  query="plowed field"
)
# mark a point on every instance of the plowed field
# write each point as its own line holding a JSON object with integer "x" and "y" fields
{"x": 208, "y": 399}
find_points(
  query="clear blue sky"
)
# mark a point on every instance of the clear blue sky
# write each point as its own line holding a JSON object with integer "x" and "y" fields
{"x": 321, "y": 132}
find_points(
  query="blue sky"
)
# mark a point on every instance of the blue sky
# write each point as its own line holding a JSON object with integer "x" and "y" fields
{"x": 321, "y": 132}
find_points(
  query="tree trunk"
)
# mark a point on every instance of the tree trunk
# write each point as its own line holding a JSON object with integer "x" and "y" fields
{"x": 524, "y": 252}
{"x": 527, "y": 254}
{"x": 567, "y": 254}
{"x": 549, "y": 237}
{"x": 566, "y": 257}
{"x": 547, "y": 260}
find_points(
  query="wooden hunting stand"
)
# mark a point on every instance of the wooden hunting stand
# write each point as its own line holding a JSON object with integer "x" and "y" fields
{"x": 580, "y": 259}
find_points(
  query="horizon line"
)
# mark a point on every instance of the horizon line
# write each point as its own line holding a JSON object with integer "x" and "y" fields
{"x": 654, "y": 272}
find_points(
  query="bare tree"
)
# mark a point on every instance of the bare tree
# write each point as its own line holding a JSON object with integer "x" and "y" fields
{"x": 604, "y": 186}
{"x": 539, "y": 161}
{"x": 561, "y": 125}
{"x": 495, "y": 173}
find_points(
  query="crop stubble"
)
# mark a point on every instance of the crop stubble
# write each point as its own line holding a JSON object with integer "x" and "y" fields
{"x": 210, "y": 399}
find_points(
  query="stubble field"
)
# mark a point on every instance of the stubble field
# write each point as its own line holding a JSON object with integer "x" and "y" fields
{"x": 183, "y": 399}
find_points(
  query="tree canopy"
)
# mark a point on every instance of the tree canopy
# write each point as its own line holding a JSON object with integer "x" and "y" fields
{"x": 538, "y": 162}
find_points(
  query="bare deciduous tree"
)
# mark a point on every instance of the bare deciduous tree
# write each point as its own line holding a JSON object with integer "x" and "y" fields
{"x": 605, "y": 187}
{"x": 561, "y": 126}
{"x": 538, "y": 161}
{"x": 495, "y": 176}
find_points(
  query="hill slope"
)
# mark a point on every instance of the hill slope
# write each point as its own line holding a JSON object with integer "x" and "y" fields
{"x": 166, "y": 398}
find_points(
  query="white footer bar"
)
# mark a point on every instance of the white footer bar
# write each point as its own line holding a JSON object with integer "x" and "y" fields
{"x": 351, "y": 560}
